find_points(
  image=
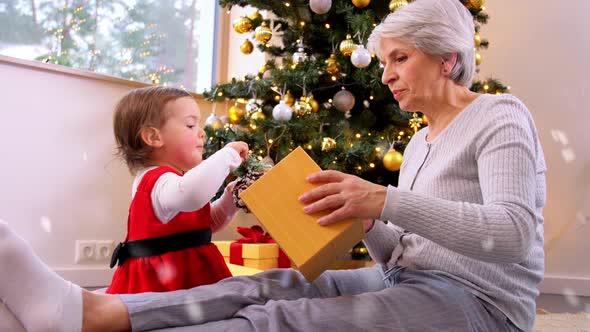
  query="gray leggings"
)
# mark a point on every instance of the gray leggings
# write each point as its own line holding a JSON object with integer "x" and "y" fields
{"x": 343, "y": 300}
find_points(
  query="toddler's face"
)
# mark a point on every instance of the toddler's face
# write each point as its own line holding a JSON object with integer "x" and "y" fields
{"x": 182, "y": 135}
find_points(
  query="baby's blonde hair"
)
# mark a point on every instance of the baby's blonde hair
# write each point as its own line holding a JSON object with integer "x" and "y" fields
{"x": 138, "y": 109}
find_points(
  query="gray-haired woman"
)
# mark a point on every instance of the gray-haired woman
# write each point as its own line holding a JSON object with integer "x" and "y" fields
{"x": 462, "y": 249}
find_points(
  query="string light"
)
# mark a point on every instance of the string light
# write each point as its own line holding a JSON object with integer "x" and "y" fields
{"x": 327, "y": 25}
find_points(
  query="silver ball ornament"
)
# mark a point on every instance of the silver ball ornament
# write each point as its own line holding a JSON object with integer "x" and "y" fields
{"x": 343, "y": 101}
{"x": 213, "y": 121}
{"x": 320, "y": 6}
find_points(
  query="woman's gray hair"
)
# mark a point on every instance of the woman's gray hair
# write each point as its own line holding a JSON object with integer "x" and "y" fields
{"x": 436, "y": 27}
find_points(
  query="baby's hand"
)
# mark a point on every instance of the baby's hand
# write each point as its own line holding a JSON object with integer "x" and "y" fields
{"x": 240, "y": 147}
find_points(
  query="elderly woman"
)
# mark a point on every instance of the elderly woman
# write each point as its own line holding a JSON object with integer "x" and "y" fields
{"x": 462, "y": 249}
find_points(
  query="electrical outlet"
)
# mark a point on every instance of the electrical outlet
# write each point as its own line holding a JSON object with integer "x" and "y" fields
{"x": 85, "y": 251}
{"x": 104, "y": 250}
{"x": 93, "y": 251}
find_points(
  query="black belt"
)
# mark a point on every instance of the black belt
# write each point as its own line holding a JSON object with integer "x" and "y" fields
{"x": 160, "y": 245}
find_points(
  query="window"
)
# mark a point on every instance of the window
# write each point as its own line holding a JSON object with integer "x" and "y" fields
{"x": 163, "y": 42}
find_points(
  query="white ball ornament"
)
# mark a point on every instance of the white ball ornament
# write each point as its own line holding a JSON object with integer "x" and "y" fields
{"x": 343, "y": 101}
{"x": 282, "y": 112}
{"x": 360, "y": 58}
{"x": 320, "y": 6}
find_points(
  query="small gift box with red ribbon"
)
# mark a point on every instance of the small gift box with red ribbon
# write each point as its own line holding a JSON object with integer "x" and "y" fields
{"x": 256, "y": 249}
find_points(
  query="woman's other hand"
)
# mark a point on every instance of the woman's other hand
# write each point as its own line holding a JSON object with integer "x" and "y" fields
{"x": 347, "y": 196}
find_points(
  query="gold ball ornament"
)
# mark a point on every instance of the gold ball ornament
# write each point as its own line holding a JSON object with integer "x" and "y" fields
{"x": 258, "y": 116}
{"x": 263, "y": 33}
{"x": 347, "y": 46}
{"x": 256, "y": 16}
{"x": 315, "y": 106}
{"x": 236, "y": 113}
{"x": 396, "y": 4}
{"x": 477, "y": 58}
{"x": 332, "y": 66}
{"x": 289, "y": 99}
{"x": 242, "y": 25}
{"x": 424, "y": 120}
{"x": 360, "y": 250}
{"x": 476, "y": 40}
{"x": 361, "y": 3}
{"x": 475, "y": 4}
{"x": 246, "y": 47}
{"x": 393, "y": 160}
{"x": 328, "y": 143}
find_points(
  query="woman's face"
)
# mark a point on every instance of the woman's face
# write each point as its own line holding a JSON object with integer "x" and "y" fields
{"x": 412, "y": 76}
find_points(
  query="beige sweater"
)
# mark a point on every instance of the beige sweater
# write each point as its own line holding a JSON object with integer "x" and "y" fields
{"x": 472, "y": 201}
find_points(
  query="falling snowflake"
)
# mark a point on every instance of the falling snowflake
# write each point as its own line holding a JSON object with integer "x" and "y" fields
{"x": 46, "y": 224}
{"x": 571, "y": 297}
{"x": 166, "y": 272}
{"x": 488, "y": 244}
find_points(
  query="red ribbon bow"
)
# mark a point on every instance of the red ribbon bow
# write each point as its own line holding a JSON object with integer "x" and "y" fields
{"x": 254, "y": 234}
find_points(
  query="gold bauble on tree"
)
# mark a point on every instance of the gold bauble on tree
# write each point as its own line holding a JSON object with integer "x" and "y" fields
{"x": 332, "y": 67}
{"x": 256, "y": 16}
{"x": 242, "y": 25}
{"x": 396, "y": 4}
{"x": 257, "y": 115}
{"x": 424, "y": 120}
{"x": 235, "y": 113}
{"x": 347, "y": 46}
{"x": 393, "y": 160}
{"x": 477, "y": 58}
{"x": 263, "y": 33}
{"x": 476, "y": 40}
{"x": 246, "y": 47}
{"x": 289, "y": 99}
{"x": 361, "y": 3}
{"x": 475, "y": 4}
{"x": 315, "y": 106}
{"x": 328, "y": 143}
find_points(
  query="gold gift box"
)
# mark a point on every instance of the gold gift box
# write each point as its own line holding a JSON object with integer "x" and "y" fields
{"x": 274, "y": 201}
{"x": 262, "y": 256}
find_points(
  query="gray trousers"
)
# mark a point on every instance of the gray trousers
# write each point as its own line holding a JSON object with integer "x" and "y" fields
{"x": 365, "y": 299}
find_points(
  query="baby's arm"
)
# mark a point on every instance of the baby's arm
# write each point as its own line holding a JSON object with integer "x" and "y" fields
{"x": 223, "y": 210}
{"x": 173, "y": 194}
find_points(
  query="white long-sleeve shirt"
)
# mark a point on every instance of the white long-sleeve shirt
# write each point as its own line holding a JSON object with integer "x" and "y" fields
{"x": 193, "y": 190}
{"x": 469, "y": 206}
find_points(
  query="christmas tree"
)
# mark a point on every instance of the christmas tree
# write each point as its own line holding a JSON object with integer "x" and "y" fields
{"x": 321, "y": 89}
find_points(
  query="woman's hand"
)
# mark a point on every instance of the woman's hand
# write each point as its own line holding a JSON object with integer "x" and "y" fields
{"x": 347, "y": 196}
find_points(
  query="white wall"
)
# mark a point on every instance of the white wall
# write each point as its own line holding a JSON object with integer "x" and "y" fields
{"x": 60, "y": 180}
{"x": 542, "y": 50}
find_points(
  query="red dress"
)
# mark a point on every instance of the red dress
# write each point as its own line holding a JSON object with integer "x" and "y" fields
{"x": 170, "y": 271}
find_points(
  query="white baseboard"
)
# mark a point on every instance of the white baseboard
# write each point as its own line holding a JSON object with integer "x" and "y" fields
{"x": 87, "y": 276}
{"x": 565, "y": 285}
